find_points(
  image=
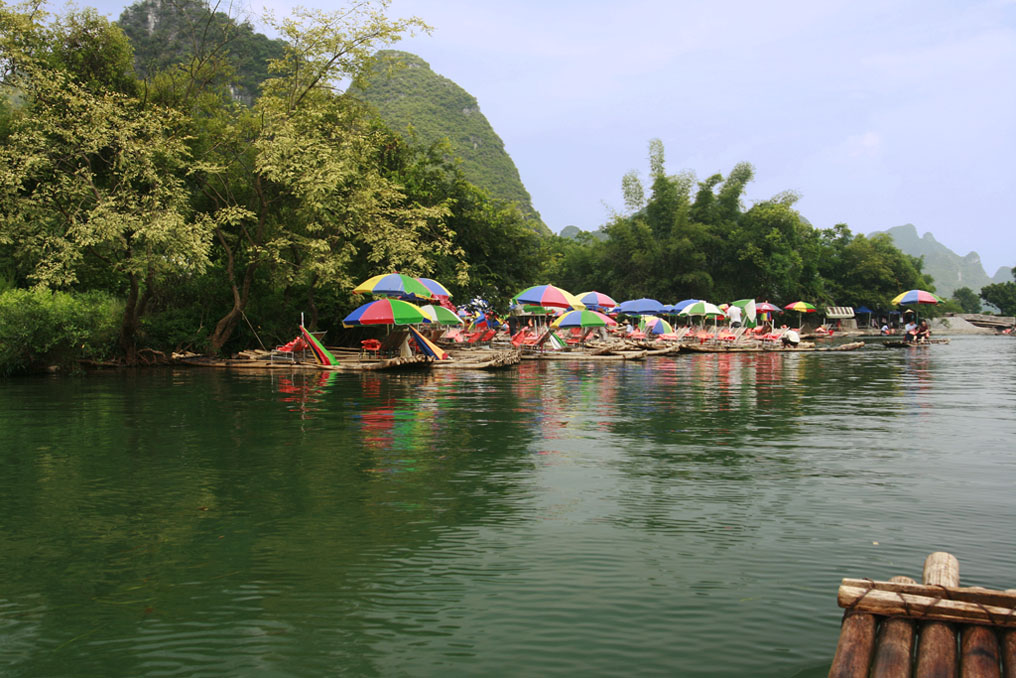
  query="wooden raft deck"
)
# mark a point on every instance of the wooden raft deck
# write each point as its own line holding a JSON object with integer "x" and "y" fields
{"x": 902, "y": 629}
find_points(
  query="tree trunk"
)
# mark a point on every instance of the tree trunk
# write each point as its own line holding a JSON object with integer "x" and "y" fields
{"x": 129, "y": 325}
{"x": 311, "y": 305}
{"x": 224, "y": 328}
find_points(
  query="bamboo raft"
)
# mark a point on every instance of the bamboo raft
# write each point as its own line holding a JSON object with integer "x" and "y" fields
{"x": 775, "y": 348}
{"x": 585, "y": 355}
{"x": 482, "y": 360}
{"x": 915, "y": 344}
{"x": 899, "y": 628}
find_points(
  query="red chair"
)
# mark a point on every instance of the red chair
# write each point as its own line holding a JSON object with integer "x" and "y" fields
{"x": 370, "y": 346}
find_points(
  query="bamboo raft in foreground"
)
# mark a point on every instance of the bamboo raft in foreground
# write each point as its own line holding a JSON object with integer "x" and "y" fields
{"x": 899, "y": 628}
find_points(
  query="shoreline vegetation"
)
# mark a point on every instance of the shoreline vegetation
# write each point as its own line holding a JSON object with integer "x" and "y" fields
{"x": 180, "y": 205}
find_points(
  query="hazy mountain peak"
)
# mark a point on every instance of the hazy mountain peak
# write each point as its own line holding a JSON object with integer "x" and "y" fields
{"x": 949, "y": 269}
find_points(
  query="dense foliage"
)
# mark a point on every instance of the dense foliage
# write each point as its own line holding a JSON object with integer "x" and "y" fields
{"x": 684, "y": 238}
{"x": 43, "y": 328}
{"x": 1002, "y": 295}
{"x": 199, "y": 211}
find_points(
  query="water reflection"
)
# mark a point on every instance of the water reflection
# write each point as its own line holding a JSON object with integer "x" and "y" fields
{"x": 304, "y": 391}
{"x": 203, "y": 523}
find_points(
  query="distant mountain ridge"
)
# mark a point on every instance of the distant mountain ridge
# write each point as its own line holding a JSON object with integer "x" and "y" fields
{"x": 410, "y": 94}
{"x": 949, "y": 270}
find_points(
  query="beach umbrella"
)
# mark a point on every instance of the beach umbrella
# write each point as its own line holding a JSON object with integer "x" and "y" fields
{"x": 582, "y": 318}
{"x": 548, "y": 295}
{"x": 597, "y": 300}
{"x": 440, "y": 315}
{"x": 916, "y": 297}
{"x": 394, "y": 285}
{"x": 650, "y": 324}
{"x": 771, "y": 309}
{"x": 679, "y": 306}
{"x": 436, "y": 288}
{"x": 385, "y": 312}
{"x": 702, "y": 308}
{"x": 749, "y": 307}
{"x": 640, "y": 307}
{"x": 801, "y": 307}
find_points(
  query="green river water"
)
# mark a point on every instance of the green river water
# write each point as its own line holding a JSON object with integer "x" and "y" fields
{"x": 686, "y": 516}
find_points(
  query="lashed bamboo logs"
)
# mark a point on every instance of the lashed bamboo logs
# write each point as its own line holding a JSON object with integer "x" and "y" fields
{"x": 936, "y": 651}
{"x": 894, "y": 649}
{"x": 979, "y": 653}
{"x": 853, "y": 651}
{"x": 1009, "y": 650}
{"x": 931, "y": 603}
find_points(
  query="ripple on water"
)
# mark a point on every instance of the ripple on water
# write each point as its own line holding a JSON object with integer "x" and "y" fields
{"x": 685, "y": 516}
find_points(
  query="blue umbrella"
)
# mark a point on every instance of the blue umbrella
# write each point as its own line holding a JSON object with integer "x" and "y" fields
{"x": 640, "y": 307}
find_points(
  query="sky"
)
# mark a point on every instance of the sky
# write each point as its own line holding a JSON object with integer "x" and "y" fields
{"x": 876, "y": 112}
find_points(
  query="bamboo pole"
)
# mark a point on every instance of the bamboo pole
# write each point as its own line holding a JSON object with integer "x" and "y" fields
{"x": 853, "y": 651}
{"x": 1009, "y": 650}
{"x": 927, "y": 607}
{"x": 894, "y": 648}
{"x": 979, "y": 653}
{"x": 936, "y": 652}
{"x": 969, "y": 594}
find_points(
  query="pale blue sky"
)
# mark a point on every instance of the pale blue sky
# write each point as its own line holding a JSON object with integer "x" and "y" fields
{"x": 878, "y": 112}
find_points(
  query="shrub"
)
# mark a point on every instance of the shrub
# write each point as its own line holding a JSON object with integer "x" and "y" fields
{"x": 39, "y": 328}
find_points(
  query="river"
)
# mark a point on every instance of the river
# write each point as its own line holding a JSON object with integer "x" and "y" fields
{"x": 689, "y": 515}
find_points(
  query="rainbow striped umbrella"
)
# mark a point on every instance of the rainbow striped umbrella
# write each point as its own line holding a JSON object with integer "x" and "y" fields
{"x": 916, "y": 297}
{"x": 766, "y": 307}
{"x": 394, "y": 285}
{"x": 583, "y": 318}
{"x": 548, "y": 295}
{"x": 385, "y": 312}
{"x": 800, "y": 307}
{"x": 597, "y": 300}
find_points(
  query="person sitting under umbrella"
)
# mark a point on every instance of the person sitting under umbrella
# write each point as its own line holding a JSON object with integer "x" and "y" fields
{"x": 910, "y": 330}
{"x": 922, "y": 333}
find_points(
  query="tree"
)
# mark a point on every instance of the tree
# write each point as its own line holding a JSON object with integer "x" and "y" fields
{"x": 1001, "y": 295}
{"x": 88, "y": 177}
{"x": 294, "y": 185}
{"x": 967, "y": 299}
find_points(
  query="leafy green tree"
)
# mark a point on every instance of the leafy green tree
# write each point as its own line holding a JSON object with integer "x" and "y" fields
{"x": 968, "y": 300}
{"x": 1001, "y": 295}
{"x": 87, "y": 176}
{"x": 294, "y": 185}
{"x": 94, "y": 53}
